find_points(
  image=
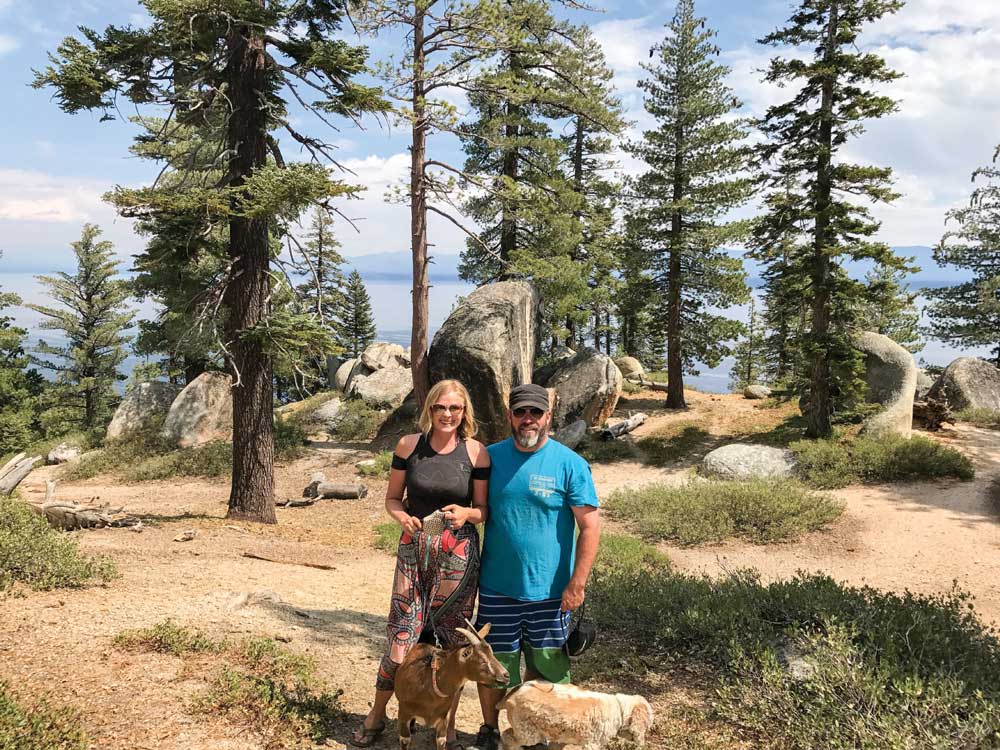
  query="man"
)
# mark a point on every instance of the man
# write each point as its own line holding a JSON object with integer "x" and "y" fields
{"x": 533, "y": 571}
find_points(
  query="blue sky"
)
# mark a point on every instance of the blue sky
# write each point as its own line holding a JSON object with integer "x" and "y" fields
{"x": 55, "y": 167}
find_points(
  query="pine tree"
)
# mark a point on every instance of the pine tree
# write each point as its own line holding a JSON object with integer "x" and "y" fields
{"x": 240, "y": 61}
{"x": 805, "y": 135}
{"x": 19, "y": 387}
{"x": 749, "y": 354}
{"x": 695, "y": 159}
{"x": 968, "y": 314}
{"x": 355, "y": 320}
{"x": 322, "y": 293}
{"x": 186, "y": 253}
{"x": 91, "y": 317}
{"x": 889, "y": 307}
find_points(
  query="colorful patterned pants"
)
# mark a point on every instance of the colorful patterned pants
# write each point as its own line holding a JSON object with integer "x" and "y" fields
{"x": 435, "y": 583}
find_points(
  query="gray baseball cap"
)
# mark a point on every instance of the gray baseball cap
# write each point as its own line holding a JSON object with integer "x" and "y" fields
{"x": 529, "y": 394}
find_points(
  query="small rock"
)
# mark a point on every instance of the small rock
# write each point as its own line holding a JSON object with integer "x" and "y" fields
{"x": 185, "y": 536}
{"x": 63, "y": 453}
{"x": 367, "y": 463}
{"x": 756, "y": 392}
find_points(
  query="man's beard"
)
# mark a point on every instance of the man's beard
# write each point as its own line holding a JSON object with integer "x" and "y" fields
{"x": 529, "y": 439}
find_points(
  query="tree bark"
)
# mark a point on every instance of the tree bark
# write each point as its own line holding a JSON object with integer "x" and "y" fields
{"x": 246, "y": 297}
{"x": 819, "y": 403}
{"x": 418, "y": 218}
{"x": 675, "y": 369}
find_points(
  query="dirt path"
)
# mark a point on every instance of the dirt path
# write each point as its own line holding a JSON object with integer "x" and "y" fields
{"x": 919, "y": 537}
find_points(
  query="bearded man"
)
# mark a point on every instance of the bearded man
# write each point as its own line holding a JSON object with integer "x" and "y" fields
{"x": 534, "y": 567}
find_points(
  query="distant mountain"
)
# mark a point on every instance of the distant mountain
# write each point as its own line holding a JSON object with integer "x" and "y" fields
{"x": 398, "y": 266}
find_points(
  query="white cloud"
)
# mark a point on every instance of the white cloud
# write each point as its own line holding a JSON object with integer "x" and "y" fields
{"x": 8, "y": 44}
{"x": 384, "y": 226}
{"x": 39, "y": 197}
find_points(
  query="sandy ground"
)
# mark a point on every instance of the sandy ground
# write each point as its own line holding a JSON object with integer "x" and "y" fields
{"x": 920, "y": 537}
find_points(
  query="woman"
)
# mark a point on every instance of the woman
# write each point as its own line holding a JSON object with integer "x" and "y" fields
{"x": 440, "y": 468}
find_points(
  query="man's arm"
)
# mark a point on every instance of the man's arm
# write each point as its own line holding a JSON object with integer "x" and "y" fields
{"x": 588, "y": 519}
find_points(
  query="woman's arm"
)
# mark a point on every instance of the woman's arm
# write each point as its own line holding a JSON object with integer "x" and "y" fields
{"x": 479, "y": 512}
{"x": 397, "y": 484}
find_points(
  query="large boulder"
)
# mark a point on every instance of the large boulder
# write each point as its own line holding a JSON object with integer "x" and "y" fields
{"x": 969, "y": 383}
{"x": 342, "y": 377}
{"x": 202, "y": 412}
{"x": 924, "y": 383}
{"x": 63, "y": 453}
{"x": 748, "y": 461}
{"x": 891, "y": 377}
{"x": 572, "y": 434}
{"x": 756, "y": 392}
{"x": 630, "y": 367}
{"x": 542, "y": 374}
{"x": 144, "y": 407}
{"x": 387, "y": 387}
{"x": 381, "y": 354}
{"x": 488, "y": 343}
{"x": 587, "y": 387}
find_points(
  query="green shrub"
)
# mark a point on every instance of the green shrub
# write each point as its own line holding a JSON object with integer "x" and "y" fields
{"x": 387, "y": 536}
{"x": 272, "y": 694}
{"x": 598, "y": 451}
{"x": 358, "y": 421}
{"x": 709, "y": 511}
{"x": 166, "y": 638}
{"x": 118, "y": 454}
{"x": 263, "y": 687}
{"x": 675, "y": 442}
{"x": 980, "y": 417}
{"x": 914, "y": 655}
{"x": 630, "y": 388}
{"x": 381, "y": 467}
{"x": 38, "y": 727}
{"x": 849, "y": 700}
{"x": 213, "y": 459}
{"x": 35, "y": 554}
{"x": 289, "y": 440}
{"x": 831, "y": 463}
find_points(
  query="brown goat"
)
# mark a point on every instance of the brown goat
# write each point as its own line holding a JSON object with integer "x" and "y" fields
{"x": 429, "y": 680}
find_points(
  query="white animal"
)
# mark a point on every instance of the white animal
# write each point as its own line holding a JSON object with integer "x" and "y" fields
{"x": 568, "y": 717}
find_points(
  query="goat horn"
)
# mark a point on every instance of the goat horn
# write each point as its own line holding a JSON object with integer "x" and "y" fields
{"x": 470, "y": 635}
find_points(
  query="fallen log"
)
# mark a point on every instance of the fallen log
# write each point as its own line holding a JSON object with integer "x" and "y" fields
{"x": 623, "y": 427}
{"x": 651, "y": 385}
{"x": 15, "y": 474}
{"x": 296, "y": 502}
{"x": 69, "y": 517}
{"x": 341, "y": 491}
{"x": 10, "y": 464}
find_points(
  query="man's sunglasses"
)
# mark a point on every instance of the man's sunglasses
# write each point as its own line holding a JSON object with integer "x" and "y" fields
{"x": 442, "y": 408}
{"x": 523, "y": 411}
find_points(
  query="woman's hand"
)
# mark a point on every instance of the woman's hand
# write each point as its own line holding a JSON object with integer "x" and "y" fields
{"x": 411, "y": 524}
{"x": 455, "y": 516}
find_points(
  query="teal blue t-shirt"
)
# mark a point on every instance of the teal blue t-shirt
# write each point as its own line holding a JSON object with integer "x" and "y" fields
{"x": 530, "y": 541}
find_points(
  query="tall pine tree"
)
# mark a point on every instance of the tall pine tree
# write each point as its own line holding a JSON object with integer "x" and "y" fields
{"x": 91, "y": 318}
{"x": 695, "y": 160}
{"x": 889, "y": 307}
{"x": 805, "y": 135}
{"x": 244, "y": 59}
{"x": 19, "y": 387}
{"x": 968, "y": 314}
{"x": 355, "y": 321}
{"x": 749, "y": 365}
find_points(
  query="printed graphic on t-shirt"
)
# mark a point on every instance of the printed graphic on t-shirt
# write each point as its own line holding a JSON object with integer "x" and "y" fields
{"x": 541, "y": 485}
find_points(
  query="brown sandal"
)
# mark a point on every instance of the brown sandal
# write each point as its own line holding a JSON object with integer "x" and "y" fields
{"x": 366, "y": 737}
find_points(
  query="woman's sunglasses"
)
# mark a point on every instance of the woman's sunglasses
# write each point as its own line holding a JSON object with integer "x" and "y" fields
{"x": 441, "y": 408}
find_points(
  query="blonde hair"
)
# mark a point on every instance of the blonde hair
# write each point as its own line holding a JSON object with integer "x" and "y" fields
{"x": 468, "y": 427}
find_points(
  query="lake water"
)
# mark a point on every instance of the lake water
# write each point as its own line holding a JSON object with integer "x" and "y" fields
{"x": 391, "y": 305}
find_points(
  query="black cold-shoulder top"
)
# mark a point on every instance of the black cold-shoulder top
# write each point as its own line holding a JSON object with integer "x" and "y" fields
{"x": 434, "y": 480}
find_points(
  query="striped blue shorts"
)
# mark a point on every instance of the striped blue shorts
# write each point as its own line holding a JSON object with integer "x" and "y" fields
{"x": 536, "y": 629}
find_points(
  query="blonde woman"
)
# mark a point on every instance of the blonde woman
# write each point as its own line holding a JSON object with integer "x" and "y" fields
{"x": 434, "y": 590}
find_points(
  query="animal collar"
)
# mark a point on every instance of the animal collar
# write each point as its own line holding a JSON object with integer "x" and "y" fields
{"x": 434, "y": 683}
